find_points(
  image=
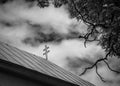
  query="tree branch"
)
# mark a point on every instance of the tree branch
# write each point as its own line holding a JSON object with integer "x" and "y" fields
{"x": 111, "y": 68}
{"x": 99, "y": 74}
{"x": 95, "y": 65}
{"x": 99, "y": 60}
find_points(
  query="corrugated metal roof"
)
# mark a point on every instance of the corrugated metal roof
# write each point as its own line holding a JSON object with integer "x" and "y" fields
{"x": 14, "y": 55}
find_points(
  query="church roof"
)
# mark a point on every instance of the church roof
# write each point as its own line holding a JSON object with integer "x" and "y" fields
{"x": 30, "y": 61}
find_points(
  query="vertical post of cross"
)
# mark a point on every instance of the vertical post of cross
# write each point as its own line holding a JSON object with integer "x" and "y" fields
{"x": 46, "y": 51}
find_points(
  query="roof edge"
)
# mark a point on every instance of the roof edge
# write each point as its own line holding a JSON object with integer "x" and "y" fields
{"x": 25, "y": 73}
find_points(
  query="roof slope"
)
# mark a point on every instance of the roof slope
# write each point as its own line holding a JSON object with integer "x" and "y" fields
{"x": 39, "y": 64}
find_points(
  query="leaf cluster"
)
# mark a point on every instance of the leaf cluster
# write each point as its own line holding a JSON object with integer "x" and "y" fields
{"x": 103, "y": 20}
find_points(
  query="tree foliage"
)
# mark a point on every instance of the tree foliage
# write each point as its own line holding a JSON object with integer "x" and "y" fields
{"x": 103, "y": 20}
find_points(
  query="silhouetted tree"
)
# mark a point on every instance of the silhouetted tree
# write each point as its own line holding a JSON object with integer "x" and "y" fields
{"x": 103, "y": 20}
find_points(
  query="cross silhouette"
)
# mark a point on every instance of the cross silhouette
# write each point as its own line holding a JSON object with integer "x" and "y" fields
{"x": 46, "y": 51}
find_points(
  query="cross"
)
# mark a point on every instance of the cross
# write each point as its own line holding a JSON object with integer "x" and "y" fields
{"x": 46, "y": 51}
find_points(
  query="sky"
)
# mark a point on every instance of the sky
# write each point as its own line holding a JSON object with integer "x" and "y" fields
{"x": 29, "y": 28}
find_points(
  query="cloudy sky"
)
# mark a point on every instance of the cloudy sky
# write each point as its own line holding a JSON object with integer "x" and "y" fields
{"x": 28, "y": 27}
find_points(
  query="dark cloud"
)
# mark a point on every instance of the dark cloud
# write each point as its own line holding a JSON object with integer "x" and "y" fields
{"x": 51, "y": 37}
{"x": 77, "y": 64}
{"x": 6, "y": 24}
{"x": 43, "y": 33}
{"x": 43, "y": 38}
{"x": 5, "y": 1}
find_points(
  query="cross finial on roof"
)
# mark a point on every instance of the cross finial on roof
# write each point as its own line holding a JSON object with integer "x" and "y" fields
{"x": 46, "y": 51}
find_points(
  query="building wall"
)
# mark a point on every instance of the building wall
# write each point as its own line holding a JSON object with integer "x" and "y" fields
{"x": 11, "y": 80}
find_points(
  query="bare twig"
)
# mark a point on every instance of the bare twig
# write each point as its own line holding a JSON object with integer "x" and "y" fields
{"x": 111, "y": 68}
{"x": 99, "y": 74}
